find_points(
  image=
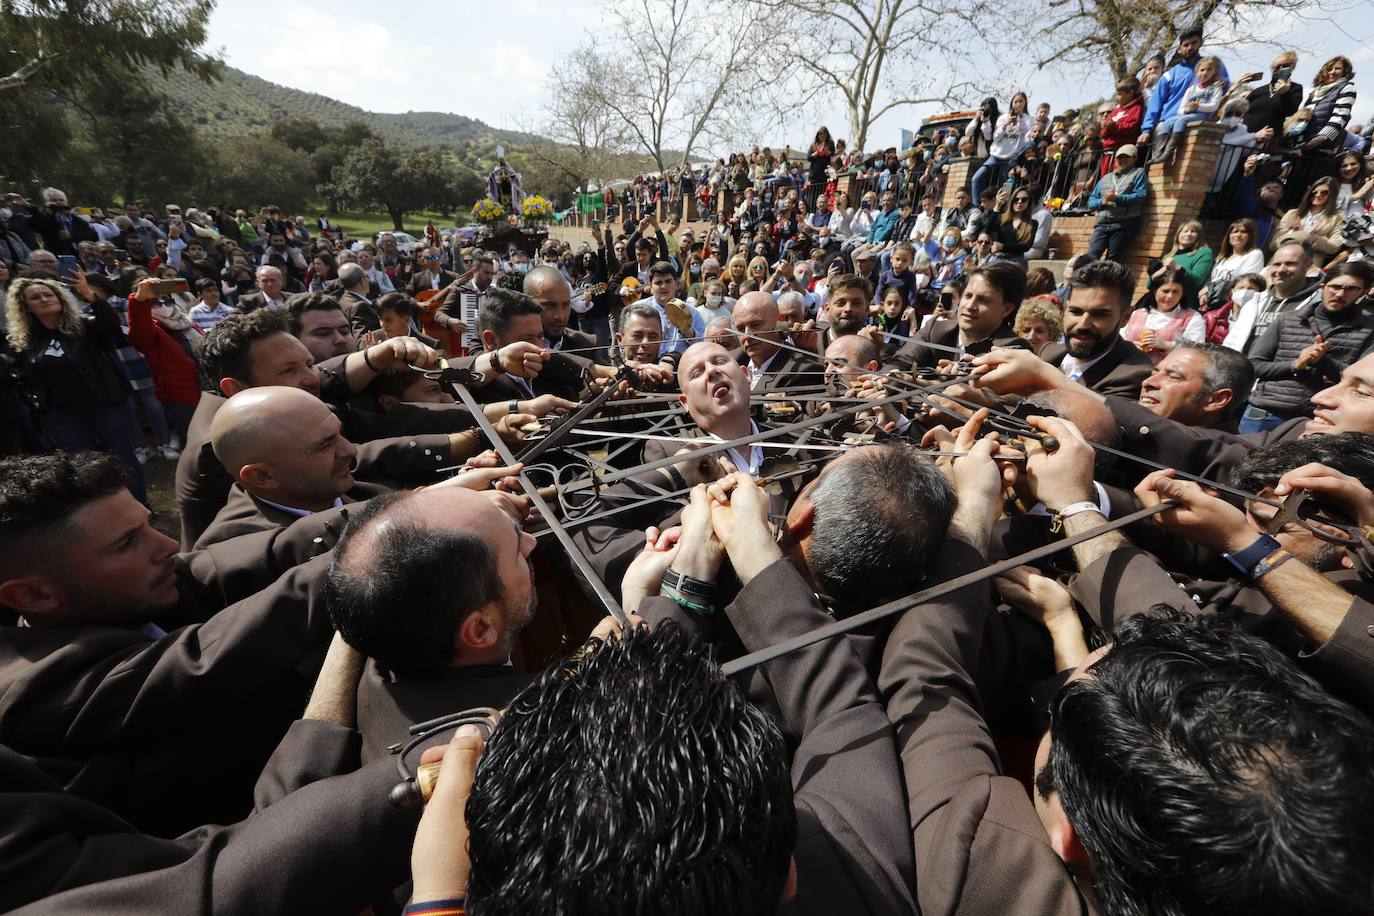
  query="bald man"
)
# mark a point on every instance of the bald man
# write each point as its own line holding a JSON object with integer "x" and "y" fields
{"x": 550, "y": 289}
{"x": 289, "y": 459}
{"x": 769, "y": 366}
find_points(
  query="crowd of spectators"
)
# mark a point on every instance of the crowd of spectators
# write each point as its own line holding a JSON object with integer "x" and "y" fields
{"x": 1171, "y": 716}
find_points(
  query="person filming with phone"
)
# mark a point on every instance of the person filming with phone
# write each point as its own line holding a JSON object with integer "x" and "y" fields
{"x": 1276, "y": 101}
{"x": 69, "y": 357}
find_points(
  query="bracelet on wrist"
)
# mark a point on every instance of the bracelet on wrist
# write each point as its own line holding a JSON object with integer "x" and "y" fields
{"x": 1264, "y": 555}
{"x": 1072, "y": 509}
{"x": 688, "y": 585}
{"x": 679, "y": 482}
{"x": 368, "y": 363}
{"x": 688, "y": 603}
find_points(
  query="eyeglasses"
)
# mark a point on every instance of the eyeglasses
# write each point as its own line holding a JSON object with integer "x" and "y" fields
{"x": 431, "y": 257}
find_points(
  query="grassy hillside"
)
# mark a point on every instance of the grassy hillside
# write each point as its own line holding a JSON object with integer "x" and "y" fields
{"x": 241, "y": 103}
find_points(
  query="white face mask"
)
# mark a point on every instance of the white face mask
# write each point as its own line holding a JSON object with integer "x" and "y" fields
{"x": 1242, "y": 296}
{"x": 6, "y": 212}
{"x": 713, "y": 299}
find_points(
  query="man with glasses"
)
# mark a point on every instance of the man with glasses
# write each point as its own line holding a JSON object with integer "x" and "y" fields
{"x": 1306, "y": 350}
{"x": 430, "y": 274}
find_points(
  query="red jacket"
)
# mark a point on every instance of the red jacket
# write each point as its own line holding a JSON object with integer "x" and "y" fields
{"x": 174, "y": 372}
{"x": 1122, "y": 126}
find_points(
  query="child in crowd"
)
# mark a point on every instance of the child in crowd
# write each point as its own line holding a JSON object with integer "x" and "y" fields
{"x": 900, "y": 275}
{"x": 1200, "y": 102}
{"x": 210, "y": 308}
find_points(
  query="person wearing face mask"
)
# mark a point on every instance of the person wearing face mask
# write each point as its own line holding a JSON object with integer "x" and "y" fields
{"x": 1273, "y": 103}
{"x": 713, "y": 303}
{"x": 1238, "y": 291}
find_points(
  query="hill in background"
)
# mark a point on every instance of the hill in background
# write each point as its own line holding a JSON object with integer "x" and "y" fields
{"x": 241, "y": 104}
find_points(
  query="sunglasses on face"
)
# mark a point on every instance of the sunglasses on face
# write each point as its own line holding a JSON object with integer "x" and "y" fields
{"x": 431, "y": 257}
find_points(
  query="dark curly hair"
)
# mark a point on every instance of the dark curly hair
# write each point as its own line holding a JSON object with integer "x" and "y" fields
{"x": 40, "y": 493}
{"x": 1204, "y": 773}
{"x": 227, "y": 349}
{"x": 632, "y": 778}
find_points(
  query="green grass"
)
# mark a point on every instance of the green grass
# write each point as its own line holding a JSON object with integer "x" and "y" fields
{"x": 363, "y": 225}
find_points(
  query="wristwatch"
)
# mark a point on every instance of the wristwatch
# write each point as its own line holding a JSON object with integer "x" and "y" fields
{"x": 1260, "y": 551}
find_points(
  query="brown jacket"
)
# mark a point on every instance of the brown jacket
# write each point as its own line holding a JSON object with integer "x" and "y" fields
{"x": 853, "y": 853}
{"x": 245, "y": 514}
{"x": 1211, "y": 453}
{"x": 388, "y": 705}
{"x": 1128, "y": 581}
{"x": 787, "y": 370}
{"x": 1121, "y": 371}
{"x": 980, "y": 847}
{"x": 329, "y": 846}
{"x": 202, "y": 483}
{"x": 172, "y": 731}
{"x": 945, "y": 332}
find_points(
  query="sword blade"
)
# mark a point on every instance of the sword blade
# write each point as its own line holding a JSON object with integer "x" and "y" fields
{"x": 550, "y": 517}
{"x": 839, "y": 627}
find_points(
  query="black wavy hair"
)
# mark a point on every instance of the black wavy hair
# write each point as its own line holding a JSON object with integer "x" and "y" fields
{"x": 632, "y": 778}
{"x": 1204, "y": 773}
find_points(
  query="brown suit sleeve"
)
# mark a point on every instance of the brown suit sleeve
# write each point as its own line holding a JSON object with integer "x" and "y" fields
{"x": 1173, "y": 444}
{"x": 852, "y": 842}
{"x": 114, "y": 690}
{"x": 220, "y": 574}
{"x": 408, "y": 460}
{"x": 1346, "y": 660}
{"x": 979, "y": 845}
{"x": 312, "y": 750}
{"x": 1124, "y": 583}
{"x": 329, "y": 848}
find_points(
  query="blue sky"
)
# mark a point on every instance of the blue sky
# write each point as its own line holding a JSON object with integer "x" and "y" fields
{"x": 489, "y": 60}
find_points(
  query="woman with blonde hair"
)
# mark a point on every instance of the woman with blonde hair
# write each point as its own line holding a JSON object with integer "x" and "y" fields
{"x": 1315, "y": 220}
{"x": 758, "y": 271}
{"x": 71, "y": 363}
{"x": 1039, "y": 321}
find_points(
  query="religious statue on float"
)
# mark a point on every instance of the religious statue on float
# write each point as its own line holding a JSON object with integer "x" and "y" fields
{"x": 503, "y": 183}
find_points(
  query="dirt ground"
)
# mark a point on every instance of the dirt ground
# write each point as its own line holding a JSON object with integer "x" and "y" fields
{"x": 161, "y": 478}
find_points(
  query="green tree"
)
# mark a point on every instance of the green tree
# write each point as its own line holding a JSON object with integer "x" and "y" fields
{"x": 58, "y": 43}
{"x": 253, "y": 172}
{"x": 128, "y": 143}
{"x": 375, "y": 174}
{"x": 304, "y": 134}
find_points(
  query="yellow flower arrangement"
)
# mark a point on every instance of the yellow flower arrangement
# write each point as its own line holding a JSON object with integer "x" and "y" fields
{"x": 537, "y": 209}
{"x": 488, "y": 211}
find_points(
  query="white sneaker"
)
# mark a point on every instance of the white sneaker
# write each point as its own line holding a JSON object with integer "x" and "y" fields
{"x": 169, "y": 453}
{"x": 176, "y": 443}
{"x": 143, "y": 453}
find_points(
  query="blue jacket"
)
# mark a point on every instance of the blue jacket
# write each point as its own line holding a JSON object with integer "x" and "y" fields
{"x": 1168, "y": 93}
{"x": 883, "y": 224}
{"x": 1130, "y": 200}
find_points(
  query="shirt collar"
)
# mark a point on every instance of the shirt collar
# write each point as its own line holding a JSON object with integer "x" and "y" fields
{"x": 299, "y": 513}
